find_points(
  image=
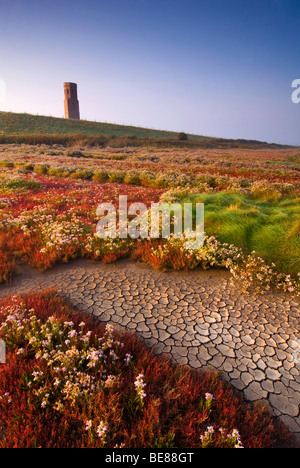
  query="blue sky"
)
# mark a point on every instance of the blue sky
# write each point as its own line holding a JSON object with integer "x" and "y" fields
{"x": 212, "y": 67}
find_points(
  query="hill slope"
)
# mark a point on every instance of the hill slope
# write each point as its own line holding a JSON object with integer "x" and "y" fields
{"x": 19, "y": 127}
{"x": 11, "y": 123}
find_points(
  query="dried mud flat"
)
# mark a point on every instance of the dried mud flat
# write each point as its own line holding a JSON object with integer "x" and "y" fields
{"x": 196, "y": 318}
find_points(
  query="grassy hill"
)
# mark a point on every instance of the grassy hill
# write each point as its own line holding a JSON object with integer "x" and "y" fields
{"x": 34, "y": 129}
{"x": 11, "y": 123}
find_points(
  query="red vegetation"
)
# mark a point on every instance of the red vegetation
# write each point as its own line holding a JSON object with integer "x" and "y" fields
{"x": 174, "y": 411}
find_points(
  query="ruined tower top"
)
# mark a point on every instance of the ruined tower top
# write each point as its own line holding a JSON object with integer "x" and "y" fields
{"x": 71, "y": 101}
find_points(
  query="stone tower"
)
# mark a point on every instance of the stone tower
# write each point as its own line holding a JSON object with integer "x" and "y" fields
{"x": 71, "y": 101}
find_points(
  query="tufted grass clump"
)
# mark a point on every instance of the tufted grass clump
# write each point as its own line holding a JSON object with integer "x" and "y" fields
{"x": 268, "y": 228}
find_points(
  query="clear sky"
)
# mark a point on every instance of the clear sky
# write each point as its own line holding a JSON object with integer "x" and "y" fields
{"x": 213, "y": 67}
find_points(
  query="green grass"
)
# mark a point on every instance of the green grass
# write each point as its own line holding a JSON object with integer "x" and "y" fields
{"x": 284, "y": 163}
{"x": 17, "y": 128}
{"x": 270, "y": 228}
{"x": 11, "y": 123}
{"x": 18, "y": 183}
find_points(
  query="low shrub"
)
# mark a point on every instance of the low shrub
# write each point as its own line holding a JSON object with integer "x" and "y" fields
{"x": 76, "y": 154}
{"x": 100, "y": 176}
{"x": 132, "y": 178}
{"x": 82, "y": 174}
{"x": 116, "y": 176}
{"x": 41, "y": 169}
{"x": 18, "y": 183}
{"x": 6, "y": 163}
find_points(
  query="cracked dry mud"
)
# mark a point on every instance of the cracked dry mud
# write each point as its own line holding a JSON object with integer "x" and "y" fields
{"x": 197, "y": 318}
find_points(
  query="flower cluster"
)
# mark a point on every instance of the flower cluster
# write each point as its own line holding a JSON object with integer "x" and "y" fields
{"x": 78, "y": 366}
{"x": 252, "y": 272}
{"x": 226, "y": 439}
{"x": 222, "y": 436}
{"x": 100, "y": 430}
{"x": 139, "y": 386}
